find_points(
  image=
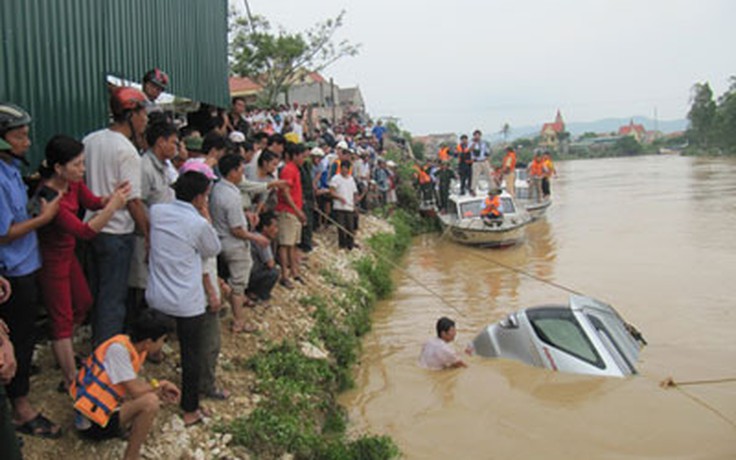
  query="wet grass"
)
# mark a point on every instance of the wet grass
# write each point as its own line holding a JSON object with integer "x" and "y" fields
{"x": 299, "y": 413}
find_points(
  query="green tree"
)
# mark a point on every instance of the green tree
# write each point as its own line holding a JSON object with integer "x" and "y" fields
{"x": 418, "y": 149}
{"x": 627, "y": 145}
{"x": 702, "y": 114}
{"x": 275, "y": 58}
{"x": 725, "y": 121}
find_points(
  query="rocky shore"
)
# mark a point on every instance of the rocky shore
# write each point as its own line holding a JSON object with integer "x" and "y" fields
{"x": 289, "y": 318}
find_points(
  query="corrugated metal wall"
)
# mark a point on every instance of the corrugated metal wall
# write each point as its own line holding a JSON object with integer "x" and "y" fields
{"x": 56, "y": 54}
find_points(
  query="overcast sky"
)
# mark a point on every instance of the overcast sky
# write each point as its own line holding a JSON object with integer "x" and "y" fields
{"x": 457, "y": 65}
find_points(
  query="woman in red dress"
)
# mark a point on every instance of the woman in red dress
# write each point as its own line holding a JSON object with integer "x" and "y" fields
{"x": 63, "y": 286}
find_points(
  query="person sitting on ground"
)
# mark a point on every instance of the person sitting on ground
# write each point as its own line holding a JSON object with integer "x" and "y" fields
{"x": 491, "y": 212}
{"x": 108, "y": 394}
{"x": 437, "y": 353}
{"x": 10, "y": 443}
{"x": 265, "y": 273}
{"x": 181, "y": 237}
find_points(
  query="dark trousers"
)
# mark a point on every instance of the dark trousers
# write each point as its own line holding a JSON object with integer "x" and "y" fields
{"x": 307, "y": 228}
{"x": 8, "y": 439}
{"x": 262, "y": 281}
{"x": 112, "y": 255}
{"x": 444, "y": 196}
{"x": 20, "y": 314}
{"x": 211, "y": 344}
{"x": 465, "y": 173}
{"x": 346, "y": 220}
{"x": 191, "y": 342}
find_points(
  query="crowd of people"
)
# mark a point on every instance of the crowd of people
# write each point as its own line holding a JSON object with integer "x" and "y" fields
{"x": 177, "y": 223}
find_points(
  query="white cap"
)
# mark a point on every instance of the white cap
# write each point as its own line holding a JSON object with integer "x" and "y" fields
{"x": 237, "y": 137}
{"x": 342, "y": 145}
{"x": 317, "y": 152}
{"x": 390, "y": 163}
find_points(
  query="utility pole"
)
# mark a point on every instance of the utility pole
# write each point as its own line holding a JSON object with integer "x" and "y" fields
{"x": 332, "y": 99}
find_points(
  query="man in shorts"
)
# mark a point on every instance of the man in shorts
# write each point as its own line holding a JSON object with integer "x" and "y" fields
{"x": 291, "y": 217}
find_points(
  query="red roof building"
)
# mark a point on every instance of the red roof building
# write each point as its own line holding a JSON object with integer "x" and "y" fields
{"x": 551, "y": 130}
{"x": 637, "y": 131}
{"x": 243, "y": 86}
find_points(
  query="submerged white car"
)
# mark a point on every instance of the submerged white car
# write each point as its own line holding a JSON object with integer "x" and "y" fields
{"x": 584, "y": 337}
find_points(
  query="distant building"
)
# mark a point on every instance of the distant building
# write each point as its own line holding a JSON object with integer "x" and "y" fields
{"x": 638, "y": 132}
{"x": 550, "y": 132}
{"x": 244, "y": 87}
{"x": 351, "y": 100}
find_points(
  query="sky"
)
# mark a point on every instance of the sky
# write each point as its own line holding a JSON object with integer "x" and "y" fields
{"x": 457, "y": 66}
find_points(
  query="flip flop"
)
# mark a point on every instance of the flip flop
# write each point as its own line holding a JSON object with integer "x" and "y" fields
{"x": 287, "y": 284}
{"x": 247, "y": 328}
{"x": 219, "y": 394}
{"x": 40, "y": 426}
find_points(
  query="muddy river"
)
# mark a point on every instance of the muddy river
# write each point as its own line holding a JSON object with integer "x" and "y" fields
{"x": 653, "y": 236}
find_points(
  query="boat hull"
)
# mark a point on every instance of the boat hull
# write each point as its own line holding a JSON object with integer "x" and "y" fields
{"x": 474, "y": 232}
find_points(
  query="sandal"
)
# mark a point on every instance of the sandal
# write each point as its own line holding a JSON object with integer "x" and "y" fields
{"x": 300, "y": 279}
{"x": 240, "y": 328}
{"x": 219, "y": 394}
{"x": 40, "y": 426}
{"x": 286, "y": 283}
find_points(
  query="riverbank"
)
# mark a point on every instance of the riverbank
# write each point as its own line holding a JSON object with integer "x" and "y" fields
{"x": 284, "y": 379}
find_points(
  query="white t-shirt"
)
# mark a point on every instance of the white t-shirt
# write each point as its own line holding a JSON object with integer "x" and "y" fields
{"x": 111, "y": 159}
{"x": 437, "y": 354}
{"x": 346, "y": 188}
{"x": 118, "y": 364}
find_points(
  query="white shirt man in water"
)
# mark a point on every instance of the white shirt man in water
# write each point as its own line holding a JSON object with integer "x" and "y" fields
{"x": 437, "y": 353}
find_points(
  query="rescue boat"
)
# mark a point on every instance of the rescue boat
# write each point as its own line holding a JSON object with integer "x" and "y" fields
{"x": 536, "y": 209}
{"x": 463, "y": 222}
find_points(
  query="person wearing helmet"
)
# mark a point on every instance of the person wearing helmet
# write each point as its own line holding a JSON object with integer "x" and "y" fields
{"x": 20, "y": 260}
{"x": 112, "y": 159}
{"x": 155, "y": 82}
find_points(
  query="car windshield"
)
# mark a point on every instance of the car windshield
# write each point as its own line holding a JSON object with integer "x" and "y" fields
{"x": 559, "y": 328}
{"x": 614, "y": 335}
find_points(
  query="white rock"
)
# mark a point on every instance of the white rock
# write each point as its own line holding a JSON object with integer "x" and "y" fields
{"x": 311, "y": 351}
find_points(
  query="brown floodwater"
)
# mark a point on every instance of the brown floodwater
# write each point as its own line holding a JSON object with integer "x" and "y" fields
{"x": 653, "y": 236}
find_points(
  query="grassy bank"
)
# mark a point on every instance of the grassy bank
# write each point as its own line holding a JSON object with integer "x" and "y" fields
{"x": 298, "y": 383}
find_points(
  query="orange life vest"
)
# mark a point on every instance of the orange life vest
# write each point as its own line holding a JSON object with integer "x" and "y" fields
{"x": 94, "y": 394}
{"x": 536, "y": 169}
{"x": 422, "y": 175}
{"x": 444, "y": 154}
{"x": 492, "y": 206}
{"x": 338, "y": 167}
{"x": 509, "y": 162}
{"x": 463, "y": 152}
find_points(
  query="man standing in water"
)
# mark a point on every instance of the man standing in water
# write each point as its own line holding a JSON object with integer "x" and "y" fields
{"x": 437, "y": 353}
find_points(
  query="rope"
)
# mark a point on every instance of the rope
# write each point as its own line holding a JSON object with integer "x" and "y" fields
{"x": 395, "y": 265}
{"x": 707, "y": 406}
{"x": 670, "y": 383}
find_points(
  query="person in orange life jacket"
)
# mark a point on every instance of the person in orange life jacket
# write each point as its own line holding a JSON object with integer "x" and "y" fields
{"x": 536, "y": 173}
{"x": 423, "y": 180}
{"x": 508, "y": 169}
{"x": 491, "y": 212}
{"x": 549, "y": 170}
{"x": 108, "y": 394}
{"x": 343, "y": 154}
{"x": 444, "y": 153}
{"x": 464, "y": 163}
